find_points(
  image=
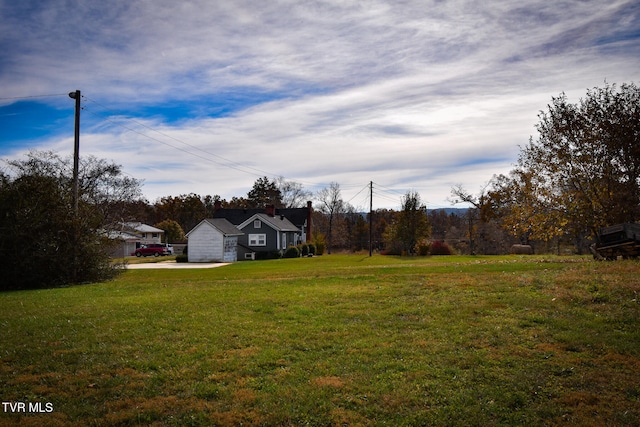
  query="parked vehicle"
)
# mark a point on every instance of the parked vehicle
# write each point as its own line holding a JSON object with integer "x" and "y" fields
{"x": 169, "y": 248}
{"x": 618, "y": 240}
{"x": 153, "y": 249}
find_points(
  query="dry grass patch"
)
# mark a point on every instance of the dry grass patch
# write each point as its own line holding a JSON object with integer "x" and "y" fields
{"x": 334, "y": 382}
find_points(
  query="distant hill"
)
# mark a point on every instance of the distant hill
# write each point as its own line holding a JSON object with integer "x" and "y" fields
{"x": 449, "y": 211}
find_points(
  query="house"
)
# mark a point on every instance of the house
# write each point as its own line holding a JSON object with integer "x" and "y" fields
{"x": 130, "y": 236}
{"x": 147, "y": 233}
{"x": 266, "y": 233}
{"x": 213, "y": 240}
{"x": 299, "y": 217}
{"x": 123, "y": 243}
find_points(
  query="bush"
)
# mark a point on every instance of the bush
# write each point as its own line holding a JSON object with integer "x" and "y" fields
{"x": 292, "y": 252}
{"x": 422, "y": 248}
{"x": 312, "y": 248}
{"x": 440, "y": 248}
{"x": 319, "y": 243}
{"x": 304, "y": 249}
{"x": 392, "y": 248}
{"x": 182, "y": 258}
{"x": 262, "y": 255}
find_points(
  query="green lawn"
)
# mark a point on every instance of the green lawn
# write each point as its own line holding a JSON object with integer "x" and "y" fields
{"x": 332, "y": 340}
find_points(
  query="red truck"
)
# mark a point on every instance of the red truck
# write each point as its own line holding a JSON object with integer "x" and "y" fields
{"x": 154, "y": 249}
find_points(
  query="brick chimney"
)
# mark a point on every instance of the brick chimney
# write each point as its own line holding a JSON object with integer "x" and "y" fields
{"x": 309, "y": 211}
{"x": 270, "y": 210}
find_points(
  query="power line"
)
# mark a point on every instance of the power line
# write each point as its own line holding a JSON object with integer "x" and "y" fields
{"x": 170, "y": 145}
{"x": 381, "y": 191}
{"x": 230, "y": 163}
{"x": 356, "y": 195}
{"x": 33, "y": 96}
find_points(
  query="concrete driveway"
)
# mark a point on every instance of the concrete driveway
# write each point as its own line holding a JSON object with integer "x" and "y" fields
{"x": 173, "y": 264}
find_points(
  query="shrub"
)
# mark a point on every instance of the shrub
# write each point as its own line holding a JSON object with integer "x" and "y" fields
{"x": 261, "y": 255}
{"x": 440, "y": 248}
{"x": 392, "y": 248}
{"x": 312, "y": 248}
{"x": 304, "y": 249}
{"x": 319, "y": 242}
{"x": 422, "y": 248}
{"x": 182, "y": 258}
{"x": 292, "y": 252}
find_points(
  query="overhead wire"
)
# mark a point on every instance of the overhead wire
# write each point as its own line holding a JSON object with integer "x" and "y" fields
{"x": 356, "y": 195}
{"x": 379, "y": 190}
{"x": 33, "y": 96}
{"x": 169, "y": 145}
{"x": 237, "y": 166}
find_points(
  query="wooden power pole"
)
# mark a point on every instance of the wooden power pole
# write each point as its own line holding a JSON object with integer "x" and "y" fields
{"x": 76, "y": 151}
{"x": 370, "y": 217}
{"x": 76, "y": 167}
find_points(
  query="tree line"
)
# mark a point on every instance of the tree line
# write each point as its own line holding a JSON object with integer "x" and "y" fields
{"x": 581, "y": 173}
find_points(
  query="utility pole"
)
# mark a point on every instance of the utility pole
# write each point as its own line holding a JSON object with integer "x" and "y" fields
{"x": 76, "y": 151}
{"x": 76, "y": 166}
{"x": 370, "y": 217}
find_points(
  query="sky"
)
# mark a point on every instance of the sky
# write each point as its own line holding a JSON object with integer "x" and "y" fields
{"x": 206, "y": 96}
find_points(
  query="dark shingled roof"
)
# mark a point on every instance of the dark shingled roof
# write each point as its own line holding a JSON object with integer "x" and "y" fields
{"x": 297, "y": 216}
{"x": 278, "y": 222}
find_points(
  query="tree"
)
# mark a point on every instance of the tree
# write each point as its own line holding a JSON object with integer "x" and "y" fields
{"x": 293, "y": 193}
{"x": 583, "y": 171}
{"x": 359, "y": 233}
{"x": 187, "y": 209}
{"x": 461, "y": 195}
{"x": 103, "y": 186}
{"x": 381, "y": 220}
{"x": 43, "y": 242}
{"x": 411, "y": 224}
{"x": 331, "y": 204}
{"x": 264, "y": 192}
{"x": 172, "y": 231}
{"x": 481, "y": 220}
{"x": 237, "y": 203}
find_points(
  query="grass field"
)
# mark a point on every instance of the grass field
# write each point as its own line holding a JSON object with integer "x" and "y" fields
{"x": 332, "y": 340}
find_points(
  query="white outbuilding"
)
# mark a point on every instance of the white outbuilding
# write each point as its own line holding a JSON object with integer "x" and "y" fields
{"x": 213, "y": 240}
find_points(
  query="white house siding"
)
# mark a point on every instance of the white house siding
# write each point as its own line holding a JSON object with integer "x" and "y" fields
{"x": 206, "y": 244}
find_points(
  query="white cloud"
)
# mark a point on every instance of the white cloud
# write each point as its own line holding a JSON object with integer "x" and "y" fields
{"x": 416, "y": 94}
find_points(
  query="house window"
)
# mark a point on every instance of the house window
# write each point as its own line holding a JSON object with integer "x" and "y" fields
{"x": 257, "y": 240}
{"x": 257, "y": 223}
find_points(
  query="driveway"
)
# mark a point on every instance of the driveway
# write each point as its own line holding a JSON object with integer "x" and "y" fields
{"x": 173, "y": 264}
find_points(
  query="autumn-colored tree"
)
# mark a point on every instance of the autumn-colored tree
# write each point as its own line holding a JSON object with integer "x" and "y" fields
{"x": 172, "y": 231}
{"x": 477, "y": 214}
{"x": 187, "y": 209}
{"x": 359, "y": 232}
{"x": 583, "y": 171}
{"x": 411, "y": 224}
